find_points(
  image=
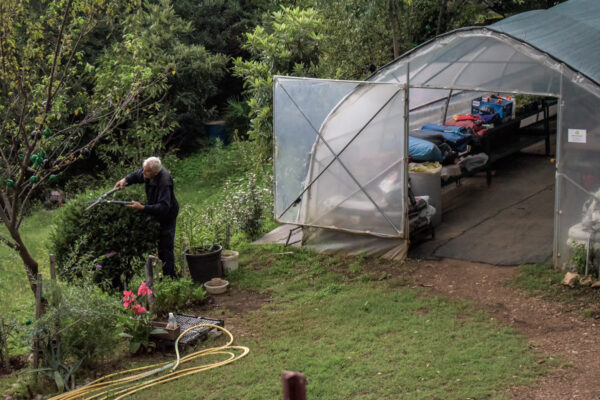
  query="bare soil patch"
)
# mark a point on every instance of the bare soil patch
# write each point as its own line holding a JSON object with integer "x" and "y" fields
{"x": 554, "y": 329}
{"x": 233, "y": 307}
{"x": 232, "y": 303}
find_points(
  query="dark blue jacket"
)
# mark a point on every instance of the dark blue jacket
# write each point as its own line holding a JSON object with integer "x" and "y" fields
{"x": 161, "y": 201}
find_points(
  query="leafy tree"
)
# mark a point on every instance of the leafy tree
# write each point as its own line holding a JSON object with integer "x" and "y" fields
{"x": 388, "y": 28}
{"x": 288, "y": 44}
{"x": 503, "y": 8}
{"x": 219, "y": 25}
{"x": 52, "y": 96}
{"x": 155, "y": 36}
{"x": 356, "y": 38}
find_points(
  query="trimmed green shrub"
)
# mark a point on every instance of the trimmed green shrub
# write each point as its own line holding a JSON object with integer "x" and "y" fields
{"x": 174, "y": 295}
{"x": 110, "y": 239}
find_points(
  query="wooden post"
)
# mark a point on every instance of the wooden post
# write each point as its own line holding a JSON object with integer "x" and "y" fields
{"x": 149, "y": 271}
{"x": 38, "y": 314}
{"x": 4, "y": 345}
{"x": 184, "y": 266}
{"x": 294, "y": 385}
{"x": 52, "y": 268}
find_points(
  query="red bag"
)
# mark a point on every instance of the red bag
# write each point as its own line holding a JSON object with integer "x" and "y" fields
{"x": 468, "y": 121}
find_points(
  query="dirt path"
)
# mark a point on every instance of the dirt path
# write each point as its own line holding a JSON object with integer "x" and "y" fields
{"x": 551, "y": 328}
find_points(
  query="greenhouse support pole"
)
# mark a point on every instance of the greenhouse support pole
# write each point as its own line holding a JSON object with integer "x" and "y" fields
{"x": 405, "y": 153}
{"x": 446, "y": 105}
{"x": 557, "y": 175}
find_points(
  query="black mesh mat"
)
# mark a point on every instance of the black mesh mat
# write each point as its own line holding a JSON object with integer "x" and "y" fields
{"x": 187, "y": 321}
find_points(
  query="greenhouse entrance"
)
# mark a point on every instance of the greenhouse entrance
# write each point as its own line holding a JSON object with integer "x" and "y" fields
{"x": 509, "y": 222}
{"x": 501, "y": 213}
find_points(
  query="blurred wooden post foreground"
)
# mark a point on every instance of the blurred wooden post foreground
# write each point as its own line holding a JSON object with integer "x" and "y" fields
{"x": 294, "y": 385}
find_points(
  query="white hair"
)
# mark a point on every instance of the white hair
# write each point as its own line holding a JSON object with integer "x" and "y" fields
{"x": 153, "y": 164}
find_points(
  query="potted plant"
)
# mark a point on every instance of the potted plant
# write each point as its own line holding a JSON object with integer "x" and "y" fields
{"x": 197, "y": 238}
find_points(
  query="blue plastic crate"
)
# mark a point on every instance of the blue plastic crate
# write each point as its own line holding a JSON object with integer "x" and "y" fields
{"x": 496, "y": 104}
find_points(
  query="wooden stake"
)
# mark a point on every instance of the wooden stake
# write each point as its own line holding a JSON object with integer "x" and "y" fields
{"x": 149, "y": 271}
{"x": 184, "y": 266}
{"x": 4, "y": 345}
{"x": 52, "y": 268}
{"x": 38, "y": 314}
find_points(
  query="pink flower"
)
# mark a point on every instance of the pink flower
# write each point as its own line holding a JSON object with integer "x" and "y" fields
{"x": 144, "y": 290}
{"x": 137, "y": 309}
{"x": 128, "y": 298}
{"x": 112, "y": 253}
{"x": 98, "y": 266}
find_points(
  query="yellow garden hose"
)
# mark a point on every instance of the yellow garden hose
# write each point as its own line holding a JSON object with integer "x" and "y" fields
{"x": 125, "y": 383}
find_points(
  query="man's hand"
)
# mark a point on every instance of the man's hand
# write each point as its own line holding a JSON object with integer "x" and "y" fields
{"x": 136, "y": 205}
{"x": 121, "y": 184}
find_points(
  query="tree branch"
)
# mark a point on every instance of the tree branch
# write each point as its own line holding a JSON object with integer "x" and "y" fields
{"x": 57, "y": 52}
{"x": 6, "y": 205}
{"x": 2, "y": 51}
{"x": 62, "y": 81}
{"x": 10, "y": 244}
{"x": 70, "y": 158}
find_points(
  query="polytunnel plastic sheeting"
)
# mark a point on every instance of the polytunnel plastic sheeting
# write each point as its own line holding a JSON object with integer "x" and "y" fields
{"x": 476, "y": 59}
{"x": 578, "y": 177}
{"x": 362, "y": 189}
{"x": 442, "y": 106}
{"x": 300, "y": 106}
{"x": 339, "y": 242}
{"x": 549, "y": 53}
{"x": 350, "y": 177}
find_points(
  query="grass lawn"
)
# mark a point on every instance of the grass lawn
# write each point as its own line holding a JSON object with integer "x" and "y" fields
{"x": 357, "y": 333}
{"x": 16, "y": 297}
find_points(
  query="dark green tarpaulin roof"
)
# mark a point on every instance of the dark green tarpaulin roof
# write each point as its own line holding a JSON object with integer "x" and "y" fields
{"x": 569, "y": 32}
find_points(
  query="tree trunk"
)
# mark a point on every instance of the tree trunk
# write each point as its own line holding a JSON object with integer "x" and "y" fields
{"x": 31, "y": 266}
{"x": 441, "y": 22}
{"x": 394, "y": 21}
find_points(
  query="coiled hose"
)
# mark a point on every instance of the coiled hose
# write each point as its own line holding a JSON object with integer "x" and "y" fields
{"x": 125, "y": 383}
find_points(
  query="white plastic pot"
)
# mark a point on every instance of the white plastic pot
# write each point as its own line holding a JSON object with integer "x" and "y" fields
{"x": 229, "y": 259}
{"x": 216, "y": 286}
{"x": 429, "y": 184}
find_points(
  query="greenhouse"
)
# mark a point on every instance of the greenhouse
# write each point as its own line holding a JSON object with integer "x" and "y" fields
{"x": 342, "y": 147}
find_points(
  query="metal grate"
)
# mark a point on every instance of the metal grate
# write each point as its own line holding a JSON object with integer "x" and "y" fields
{"x": 187, "y": 321}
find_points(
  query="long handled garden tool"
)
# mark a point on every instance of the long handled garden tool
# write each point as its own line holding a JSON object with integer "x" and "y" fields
{"x": 103, "y": 199}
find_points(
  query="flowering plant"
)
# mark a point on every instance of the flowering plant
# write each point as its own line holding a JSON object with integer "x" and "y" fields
{"x": 138, "y": 326}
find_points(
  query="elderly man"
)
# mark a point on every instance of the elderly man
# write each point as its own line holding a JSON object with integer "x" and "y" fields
{"x": 161, "y": 203}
